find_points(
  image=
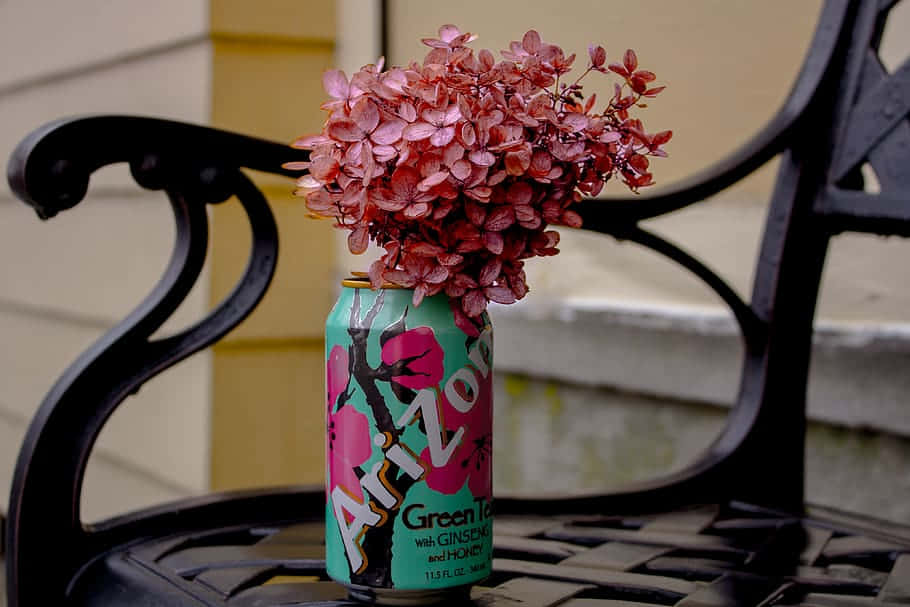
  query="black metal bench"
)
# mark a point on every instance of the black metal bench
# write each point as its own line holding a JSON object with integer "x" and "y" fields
{"x": 731, "y": 529}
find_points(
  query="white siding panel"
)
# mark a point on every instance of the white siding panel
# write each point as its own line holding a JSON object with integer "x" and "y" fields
{"x": 173, "y": 85}
{"x": 11, "y": 433}
{"x": 95, "y": 261}
{"x": 41, "y": 38}
{"x": 163, "y": 430}
{"x": 35, "y": 352}
{"x": 109, "y": 489}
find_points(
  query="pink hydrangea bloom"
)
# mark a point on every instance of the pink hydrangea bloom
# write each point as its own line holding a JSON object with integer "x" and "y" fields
{"x": 348, "y": 430}
{"x": 459, "y": 164}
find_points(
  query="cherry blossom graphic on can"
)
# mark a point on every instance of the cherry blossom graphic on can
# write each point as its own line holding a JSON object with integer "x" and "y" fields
{"x": 408, "y": 444}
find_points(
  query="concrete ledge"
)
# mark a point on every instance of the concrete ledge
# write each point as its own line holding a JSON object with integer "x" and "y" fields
{"x": 859, "y": 376}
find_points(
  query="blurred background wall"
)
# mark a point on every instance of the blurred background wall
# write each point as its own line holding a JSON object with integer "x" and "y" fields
{"x": 243, "y": 413}
{"x": 623, "y": 329}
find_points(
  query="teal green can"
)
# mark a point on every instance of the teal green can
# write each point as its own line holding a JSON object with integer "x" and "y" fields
{"x": 409, "y": 424}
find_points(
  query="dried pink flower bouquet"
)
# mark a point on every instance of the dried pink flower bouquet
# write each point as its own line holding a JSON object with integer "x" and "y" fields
{"x": 456, "y": 167}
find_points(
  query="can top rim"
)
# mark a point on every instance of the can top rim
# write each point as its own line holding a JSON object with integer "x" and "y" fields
{"x": 362, "y": 282}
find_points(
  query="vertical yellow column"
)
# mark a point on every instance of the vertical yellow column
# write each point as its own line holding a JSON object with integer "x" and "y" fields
{"x": 268, "y": 395}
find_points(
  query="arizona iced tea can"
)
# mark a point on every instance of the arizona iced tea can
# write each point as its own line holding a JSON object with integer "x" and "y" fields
{"x": 409, "y": 446}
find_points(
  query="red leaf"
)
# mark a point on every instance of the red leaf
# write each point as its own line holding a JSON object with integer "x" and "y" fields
{"x": 524, "y": 212}
{"x": 531, "y": 42}
{"x": 387, "y": 203}
{"x": 486, "y": 59}
{"x": 501, "y": 295}
{"x": 466, "y": 231}
{"x": 344, "y": 129}
{"x": 320, "y": 202}
{"x": 335, "y": 84}
{"x": 461, "y": 170}
{"x": 434, "y": 117}
{"x": 496, "y": 178}
{"x": 653, "y": 92}
{"x": 433, "y": 42}
{"x": 407, "y": 112}
{"x": 324, "y": 168}
{"x": 475, "y": 213}
{"x": 452, "y": 153}
{"x": 520, "y": 192}
{"x": 452, "y": 115}
{"x": 597, "y": 54}
{"x": 638, "y": 85}
{"x": 425, "y": 249}
{"x": 442, "y": 137}
{"x": 401, "y": 278}
{"x": 404, "y": 182}
{"x": 450, "y": 259}
{"x": 518, "y": 162}
{"x": 448, "y": 32}
{"x": 465, "y": 134}
{"x": 479, "y": 193}
{"x": 644, "y": 180}
{"x": 310, "y": 141}
{"x": 490, "y": 272}
{"x": 418, "y": 131}
{"x": 474, "y": 303}
{"x": 661, "y": 138}
{"x": 493, "y": 242}
{"x": 482, "y": 158}
{"x": 629, "y": 60}
{"x": 575, "y": 121}
{"x": 639, "y": 163}
{"x": 358, "y": 240}
{"x": 419, "y": 292}
{"x": 375, "y": 273}
{"x": 433, "y": 180}
{"x": 619, "y": 69}
{"x": 365, "y": 114}
{"x": 499, "y": 219}
{"x": 417, "y": 210}
{"x": 388, "y": 132}
{"x": 437, "y": 275}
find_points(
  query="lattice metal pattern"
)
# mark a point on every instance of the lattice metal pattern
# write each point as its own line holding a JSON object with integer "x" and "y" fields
{"x": 702, "y": 557}
{"x": 876, "y": 131}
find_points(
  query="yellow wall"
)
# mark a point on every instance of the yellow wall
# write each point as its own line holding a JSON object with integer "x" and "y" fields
{"x": 267, "y": 416}
{"x": 727, "y": 65}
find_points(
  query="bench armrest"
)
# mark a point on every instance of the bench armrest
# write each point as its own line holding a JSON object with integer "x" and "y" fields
{"x": 51, "y": 167}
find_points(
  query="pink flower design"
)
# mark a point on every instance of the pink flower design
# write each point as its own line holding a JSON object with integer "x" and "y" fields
{"x": 415, "y": 358}
{"x": 470, "y": 462}
{"x": 347, "y": 430}
{"x": 348, "y": 447}
{"x": 337, "y": 375}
